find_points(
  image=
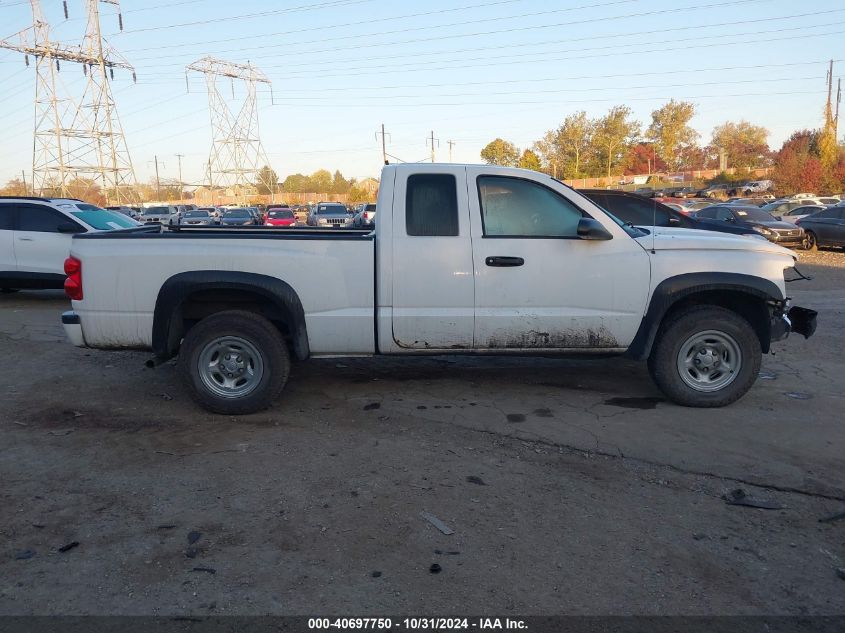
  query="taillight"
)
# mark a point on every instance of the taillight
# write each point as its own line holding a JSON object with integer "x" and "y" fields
{"x": 73, "y": 283}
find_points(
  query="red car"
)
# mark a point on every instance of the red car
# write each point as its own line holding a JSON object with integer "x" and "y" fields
{"x": 280, "y": 216}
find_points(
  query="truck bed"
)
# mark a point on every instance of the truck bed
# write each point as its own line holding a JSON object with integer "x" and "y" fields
{"x": 332, "y": 271}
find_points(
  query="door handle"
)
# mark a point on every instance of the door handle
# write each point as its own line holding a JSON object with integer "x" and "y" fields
{"x": 504, "y": 262}
{"x": 25, "y": 239}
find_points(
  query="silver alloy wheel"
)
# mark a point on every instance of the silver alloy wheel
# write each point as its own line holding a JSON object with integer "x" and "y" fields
{"x": 709, "y": 361}
{"x": 230, "y": 367}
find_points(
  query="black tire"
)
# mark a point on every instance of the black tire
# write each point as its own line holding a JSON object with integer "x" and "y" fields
{"x": 811, "y": 242}
{"x": 677, "y": 330}
{"x": 257, "y": 331}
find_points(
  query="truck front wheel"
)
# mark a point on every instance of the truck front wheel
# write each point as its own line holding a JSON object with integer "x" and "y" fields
{"x": 705, "y": 356}
{"x": 234, "y": 362}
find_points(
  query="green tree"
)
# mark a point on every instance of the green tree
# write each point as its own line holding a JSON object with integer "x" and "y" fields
{"x": 295, "y": 183}
{"x": 566, "y": 148}
{"x": 339, "y": 183}
{"x": 267, "y": 181}
{"x": 612, "y": 136}
{"x": 670, "y": 131}
{"x": 500, "y": 152}
{"x": 321, "y": 181}
{"x": 744, "y": 144}
{"x": 530, "y": 160}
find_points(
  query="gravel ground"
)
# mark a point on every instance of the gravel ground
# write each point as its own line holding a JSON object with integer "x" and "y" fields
{"x": 571, "y": 487}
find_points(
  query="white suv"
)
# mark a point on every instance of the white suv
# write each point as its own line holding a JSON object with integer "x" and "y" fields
{"x": 35, "y": 237}
{"x": 166, "y": 215}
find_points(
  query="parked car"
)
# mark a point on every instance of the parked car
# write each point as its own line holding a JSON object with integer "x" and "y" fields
{"x": 280, "y": 216}
{"x": 365, "y": 216}
{"x": 697, "y": 205}
{"x": 237, "y": 217}
{"x": 793, "y": 215}
{"x": 214, "y": 212}
{"x": 715, "y": 191}
{"x": 329, "y": 214}
{"x": 685, "y": 192}
{"x": 756, "y": 219}
{"x": 648, "y": 192}
{"x": 756, "y": 186}
{"x": 36, "y": 233}
{"x": 166, "y": 215}
{"x": 824, "y": 228}
{"x": 198, "y": 217}
{"x": 465, "y": 259}
{"x": 127, "y": 211}
{"x": 639, "y": 211}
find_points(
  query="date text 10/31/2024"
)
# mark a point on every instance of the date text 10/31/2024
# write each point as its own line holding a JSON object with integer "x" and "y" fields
{"x": 431, "y": 624}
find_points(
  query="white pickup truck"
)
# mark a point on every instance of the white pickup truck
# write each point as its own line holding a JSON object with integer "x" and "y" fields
{"x": 465, "y": 259}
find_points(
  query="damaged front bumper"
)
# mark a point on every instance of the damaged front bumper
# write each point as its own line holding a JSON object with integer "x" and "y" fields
{"x": 796, "y": 319}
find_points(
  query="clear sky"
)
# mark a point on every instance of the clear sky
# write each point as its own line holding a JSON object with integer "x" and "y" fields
{"x": 470, "y": 70}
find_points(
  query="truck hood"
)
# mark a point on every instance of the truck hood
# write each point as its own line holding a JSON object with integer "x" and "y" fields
{"x": 671, "y": 238}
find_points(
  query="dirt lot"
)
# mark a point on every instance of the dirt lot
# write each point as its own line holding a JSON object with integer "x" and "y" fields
{"x": 571, "y": 487}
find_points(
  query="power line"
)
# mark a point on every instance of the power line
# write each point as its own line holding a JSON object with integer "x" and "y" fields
{"x": 684, "y": 46}
{"x": 613, "y": 36}
{"x": 346, "y": 25}
{"x": 330, "y": 4}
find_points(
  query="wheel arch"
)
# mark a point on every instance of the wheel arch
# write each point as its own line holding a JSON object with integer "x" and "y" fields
{"x": 186, "y": 298}
{"x": 747, "y": 295}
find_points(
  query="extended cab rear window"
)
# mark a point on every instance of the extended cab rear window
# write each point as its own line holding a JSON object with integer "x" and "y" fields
{"x": 431, "y": 205}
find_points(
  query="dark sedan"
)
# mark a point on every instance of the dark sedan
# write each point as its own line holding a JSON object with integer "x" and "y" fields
{"x": 825, "y": 228}
{"x": 757, "y": 220}
{"x": 640, "y": 211}
{"x": 237, "y": 217}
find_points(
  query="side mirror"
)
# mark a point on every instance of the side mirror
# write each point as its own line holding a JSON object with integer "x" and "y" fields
{"x": 590, "y": 229}
{"x": 70, "y": 227}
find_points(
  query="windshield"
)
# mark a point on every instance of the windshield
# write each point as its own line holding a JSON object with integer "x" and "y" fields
{"x": 370, "y": 207}
{"x": 196, "y": 214}
{"x": 101, "y": 219}
{"x": 335, "y": 209}
{"x": 237, "y": 213}
{"x": 281, "y": 214}
{"x": 753, "y": 214}
{"x": 157, "y": 211}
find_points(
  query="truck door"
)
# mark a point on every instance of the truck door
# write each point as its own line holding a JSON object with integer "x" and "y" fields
{"x": 537, "y": 284}
{"x": 432, "y": 288}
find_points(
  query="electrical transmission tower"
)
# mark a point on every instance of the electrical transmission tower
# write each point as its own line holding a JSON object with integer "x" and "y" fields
{"x": 76, "y": 142}
{"x": 237, "y": 156}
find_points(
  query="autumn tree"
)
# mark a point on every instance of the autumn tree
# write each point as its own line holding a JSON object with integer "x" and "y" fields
{"x": 642, "y": 158}
{"x": 797, "y": 164}
{"x": 530, "y": 160}
{"x": 670, "y": 132}
{"x": 500, "y": 152}
{"x": 267, "y": 181}
{"x": 744, "y": 144}
{"x": 14, "y": 187}
{"x": 612, "y": 135}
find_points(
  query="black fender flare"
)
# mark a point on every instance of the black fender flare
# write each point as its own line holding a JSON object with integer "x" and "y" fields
{"x": 167, "y": 327}
{"x": 674, "y": 289}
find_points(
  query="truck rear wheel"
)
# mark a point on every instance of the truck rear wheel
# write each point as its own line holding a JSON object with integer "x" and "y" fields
{"x": 705, "y": 356}
{"x": 234, "y": 362}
